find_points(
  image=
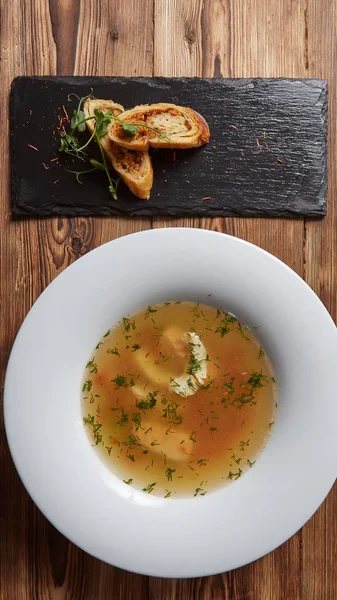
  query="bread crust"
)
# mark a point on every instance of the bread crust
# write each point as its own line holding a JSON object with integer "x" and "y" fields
{"x": 133, "y": 167}
{"x": 179, "y": 126}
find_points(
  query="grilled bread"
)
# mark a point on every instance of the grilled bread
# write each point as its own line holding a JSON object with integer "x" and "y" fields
{"x": 160, "y": 126}
{"x": 133, "y": 167}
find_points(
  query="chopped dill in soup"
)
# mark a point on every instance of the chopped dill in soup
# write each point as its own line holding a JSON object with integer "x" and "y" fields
{"x": 179, "y": 399}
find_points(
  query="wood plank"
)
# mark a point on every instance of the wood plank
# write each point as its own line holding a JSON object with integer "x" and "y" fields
{"x": 262, "y": 39}
{"x": 26, "y": 46}
{"x": 320, "y": 269}
{"x": 177, "y": 53}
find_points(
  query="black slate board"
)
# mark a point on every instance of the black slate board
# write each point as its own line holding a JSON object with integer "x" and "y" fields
{"x": 266, "y": 157}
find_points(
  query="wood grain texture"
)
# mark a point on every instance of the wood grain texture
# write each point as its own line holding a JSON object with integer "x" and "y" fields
{"x": 238, "y": 38}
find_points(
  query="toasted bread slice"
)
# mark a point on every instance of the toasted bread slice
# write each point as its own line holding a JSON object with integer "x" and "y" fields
{"x": 134, "y": 168}
{"x": 161, "y": 126}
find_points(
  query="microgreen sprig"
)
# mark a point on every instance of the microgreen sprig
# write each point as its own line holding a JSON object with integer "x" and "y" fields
{"x": 70, "y": 143}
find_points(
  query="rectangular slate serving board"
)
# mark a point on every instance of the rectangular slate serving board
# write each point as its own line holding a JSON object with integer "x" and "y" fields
{"x": 266, "y": 157}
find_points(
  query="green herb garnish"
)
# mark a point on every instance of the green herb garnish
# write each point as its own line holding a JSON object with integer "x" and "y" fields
{"x": 128, "y": 324}
{"x": 91, "y": 365}
{"x": 243, "y": 444}
{"x": 124, "y": 418}
{"x": 169, "y": 472}
{"x": 70, "y": 143}
{"x": 136, "y": 417}
{"x": 240, "y": 328}
{"x": 132, "y": 441}
{"x": 234, "y": 475}
{"x": 200, "y": 491}
{"x": 149, "y": 311}
{"x": 202, "y": 462}
{"x": 149, "y": 403}
{"x": 236, "y": 460}
{"x": 96, "y": 427}
{"x": 256, "y": 381}
{"x": 224, "y": 327}
{"x": 120, "y": 381}
{"x": 243, "y": 399}
{"x": 229, "y": 386}
{"x": 206, "y": 386}
{"x": 192, "y": 436}
{"x": 194, "y": 365}
{"x": 170, "y": 413}
{"x": 87, "y": 385}
{"x": 113, "y": 351}
{"x": 149, "y": 488}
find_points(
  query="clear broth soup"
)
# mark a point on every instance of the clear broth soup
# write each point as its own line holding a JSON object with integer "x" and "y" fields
{"x": 179, "y": 399}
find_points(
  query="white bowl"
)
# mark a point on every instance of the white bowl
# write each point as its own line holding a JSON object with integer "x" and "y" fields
{"x": 65, "y": 477}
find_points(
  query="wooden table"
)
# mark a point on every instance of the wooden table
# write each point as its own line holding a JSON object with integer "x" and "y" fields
{"x": 233, "y": 38}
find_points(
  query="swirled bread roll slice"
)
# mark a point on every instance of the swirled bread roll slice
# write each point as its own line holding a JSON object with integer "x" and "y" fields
{"x": 133, "y": 167}
{"x": 160, "y": 126}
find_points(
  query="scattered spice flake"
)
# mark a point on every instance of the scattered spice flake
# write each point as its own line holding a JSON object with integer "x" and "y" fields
{"x": 56, "y": 181}
{"x": 207, "y": 198}
{"x": 233, "y": 126}
{"x": 66, "y": 114}
{"x": 279, "y": 160}
{"x": 33, "y": 147}
{"x": 54, "y": 159}
{"x": 257, "y": 142}
{"x": 45, "y": 166}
